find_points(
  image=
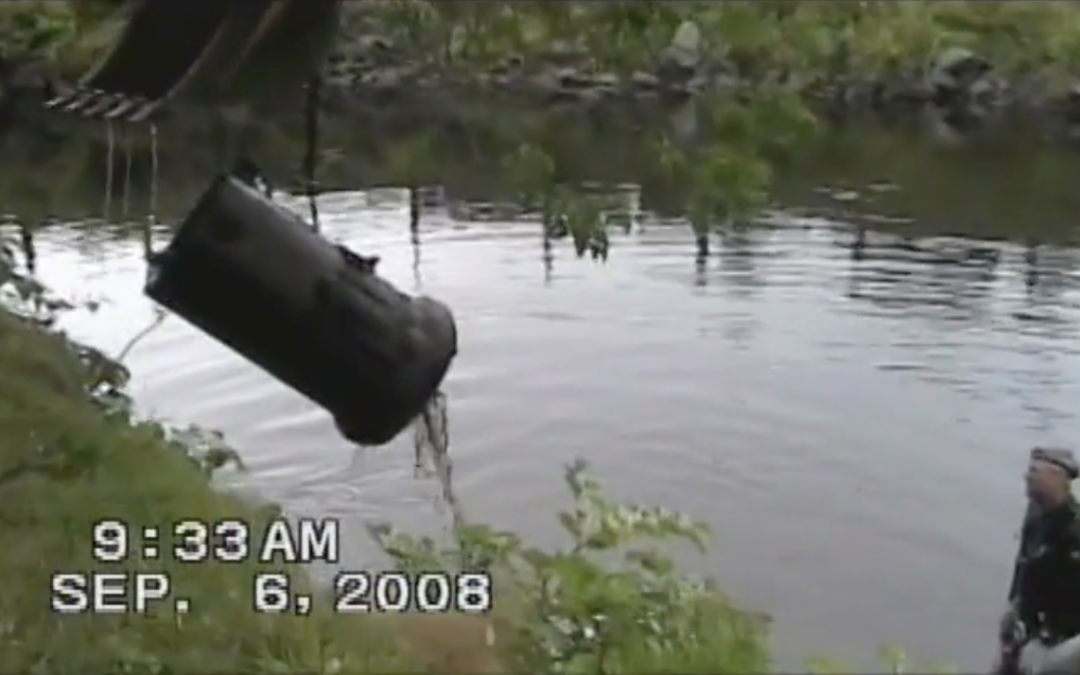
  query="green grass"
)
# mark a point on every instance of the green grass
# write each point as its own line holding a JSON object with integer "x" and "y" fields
{"x": 66, "y": 463}
{"x": 807, "y": 39}
{"x": 73, "y": 36}
{"x": 63, "y": 466}
{"x": 608, "y": 602}
{"x": 795, "y": 36}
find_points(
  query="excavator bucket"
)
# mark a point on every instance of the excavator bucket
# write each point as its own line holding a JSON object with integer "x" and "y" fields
{"x": 217, "y": 52}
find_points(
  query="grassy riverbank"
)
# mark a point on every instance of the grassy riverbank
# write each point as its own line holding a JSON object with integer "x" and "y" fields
{"x": 806, "y": 39}
{"x": 69, "y": 35}
{"x": 65, "y": 464}
{"x": 798, "y": 37}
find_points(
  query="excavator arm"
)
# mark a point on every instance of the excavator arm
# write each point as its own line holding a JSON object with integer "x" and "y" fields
{"x": 216, "y": 52}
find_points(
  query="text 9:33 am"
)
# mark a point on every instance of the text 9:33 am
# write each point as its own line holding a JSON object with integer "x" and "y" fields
{"x": 186, "y": 541}
{"x": 230, "y": 541}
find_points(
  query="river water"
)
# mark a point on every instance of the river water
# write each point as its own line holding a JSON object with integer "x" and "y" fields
{"x": 850, "y": 412}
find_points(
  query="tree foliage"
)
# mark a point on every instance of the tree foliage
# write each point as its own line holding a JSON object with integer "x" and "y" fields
{"x": 612, "y": 600}
{"x": 777, "y": 52}
{"x": 799, "y": 37}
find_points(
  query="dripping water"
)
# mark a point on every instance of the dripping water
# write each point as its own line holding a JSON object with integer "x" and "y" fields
{"x": 110, "y": 148}
{"x": 431, "y": 429}
{"x": 431, "y": 441}
{"x": 128, "y": 159}
{"x": 147, "y": 239}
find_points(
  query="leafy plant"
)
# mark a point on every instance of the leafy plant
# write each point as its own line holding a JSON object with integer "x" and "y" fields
{"x": 104, "y": 378}
{"x": 611, "y": 601}
{"x": 34, "y": 28}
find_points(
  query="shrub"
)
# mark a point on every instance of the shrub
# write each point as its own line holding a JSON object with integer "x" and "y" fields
{"x": 34, "y": 28}
{"x": 610, "y": 602}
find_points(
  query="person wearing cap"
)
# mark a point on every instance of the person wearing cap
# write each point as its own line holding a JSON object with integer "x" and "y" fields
{"x": 1040, "y": 633}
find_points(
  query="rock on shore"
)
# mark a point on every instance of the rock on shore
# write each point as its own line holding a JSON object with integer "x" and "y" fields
{"x": 965, "y": 87}
{"x": 367, "y": 69}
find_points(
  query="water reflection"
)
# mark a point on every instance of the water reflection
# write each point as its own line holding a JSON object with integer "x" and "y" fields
{"x": 701, "y": 264}
{"x": 844, "y": 399}
{"x": 737, "y": 261}
{"x": 1050, "y": 273}
{"x": 936, "y": 280}
{"x": 548, "y": 255}
{"x": 416, "y": 205}
{"x": 772, "y": 373}
{"x": 464, "y": 149}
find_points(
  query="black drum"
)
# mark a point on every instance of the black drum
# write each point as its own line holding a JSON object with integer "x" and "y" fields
{"x": 313, "y": 314}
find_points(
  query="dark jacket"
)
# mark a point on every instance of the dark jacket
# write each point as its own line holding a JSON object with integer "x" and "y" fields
{"x": 1046, "y": 582}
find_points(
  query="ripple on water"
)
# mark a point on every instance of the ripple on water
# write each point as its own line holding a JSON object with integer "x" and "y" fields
{"x": 805, "y": 401}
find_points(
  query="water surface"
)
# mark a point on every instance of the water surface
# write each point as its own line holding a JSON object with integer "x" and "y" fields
{"x": 850, "y": 413}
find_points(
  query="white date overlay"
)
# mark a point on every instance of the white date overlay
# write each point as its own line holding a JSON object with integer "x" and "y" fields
{"x": 375, "y": 592}
{"x": 113, "y": 593}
